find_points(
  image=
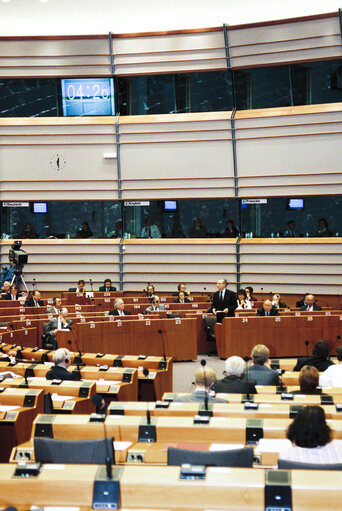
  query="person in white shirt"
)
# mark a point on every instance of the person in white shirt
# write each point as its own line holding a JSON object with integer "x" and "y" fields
{"x": 150, "y": 230}
{"x": 312, "y": 439}
{"x": 242, "y": 302}
{"x": 332, "y": 377}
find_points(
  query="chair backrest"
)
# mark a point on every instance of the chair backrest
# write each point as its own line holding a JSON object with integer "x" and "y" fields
{"x": 232, "y": 458}
{"x": 72, "y": 289}
{"x": 309, "y": 466}
{"x": 49, "y": 450}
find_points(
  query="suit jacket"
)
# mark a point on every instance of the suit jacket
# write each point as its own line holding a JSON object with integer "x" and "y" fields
{"x": 30, "y": 302}
{"x": 229, "y": 302}
{"x": 320, "y": 363}
{"x": 51, "y": 310}
{"x": 53, "y": 324}
{"x": 315, "y": 307}
{"x": 235, "y": 385}
{"x": 115, "y": 312}
{"x": 186, "y": 300}
{"x": 273, "y": 312}
{"x": 102, "y": 288}
{"x": 8, "y": 296}
{"x": 61, "y": 373}
{"x": 198, "y": 397}
{"x": 263, "y": 375}
{"x": 151, "y": 308}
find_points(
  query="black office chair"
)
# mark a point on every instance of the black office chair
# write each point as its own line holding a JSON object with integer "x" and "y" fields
{"x": 288, "y": 465}
{"x": 234, "y": 458}
{"x": 49, "y": 450}
{"x": 72, "y": 290}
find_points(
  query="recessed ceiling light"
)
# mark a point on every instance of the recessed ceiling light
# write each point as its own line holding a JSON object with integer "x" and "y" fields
{"x": 5, "y": 0}
{"x": 43, "y": 1}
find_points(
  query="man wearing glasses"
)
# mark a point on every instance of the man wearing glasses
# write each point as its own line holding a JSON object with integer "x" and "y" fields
{"x": 155, "y": 305}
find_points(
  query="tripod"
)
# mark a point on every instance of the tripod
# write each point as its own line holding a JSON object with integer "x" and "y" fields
{"x": 18, "y": 277}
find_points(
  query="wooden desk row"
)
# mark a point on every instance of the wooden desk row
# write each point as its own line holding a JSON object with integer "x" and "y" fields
{"x": 284, "y": 336}
{"x": 161, "y": 488}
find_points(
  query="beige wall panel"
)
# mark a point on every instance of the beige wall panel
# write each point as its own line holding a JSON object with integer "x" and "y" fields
{"x": 169, "y": 53}
{"x": 58, "y": 264}
{"x": 196, "y": 246}
{"x": 313, "y": 246}
{"x": 314, "y": 39}
{"x": 193, "y": 258}
{"x": 274, "y": 266}
{"x": 293, "y": 259}
{"x": 180, "y": 266}
{"x": 56, "y": 57}
{"x": 298, "y": 280}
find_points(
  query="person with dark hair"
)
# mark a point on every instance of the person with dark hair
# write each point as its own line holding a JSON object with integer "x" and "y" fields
{"x": 56, "y": 306}
{"x": 197, "y": 230}
{"x": 182, "y": 288}
{"x": 150, "y": 230}
{"x": 13, "y": 294}
{"x": 181, "y": 298}
{"x": 267, "y": 309}
{"x": 332, "y": 377}
{"x": 242, "y": 302}
{"x": 85, "y": 232}
{"x": 260, "y": 372}
{"x": 224, "y": 300}
{"x": 249, "y": 292}
{"x": 28, "y": 232}
{"x": 323, "y": 230}
{"x": 80, "y": 289}
{"x": 319, "y": 358}
{"x": 231, "y": 231}
{"x": 290, "y": 231}
{"x": 301, "y": 302}
{"x": 309, "y": 304}
{"x": 308, "y": 381}
{"x": 149, "y": 290}
{"x": 34, "y": 300}
{"x": 312, "y": 439}
{"x": 107, "y": 286}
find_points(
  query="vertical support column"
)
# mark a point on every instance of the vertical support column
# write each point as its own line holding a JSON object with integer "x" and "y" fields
{"x": 121, "y": 263}
{"x": 238, "y": 269}
{"x": 340, "y": 18}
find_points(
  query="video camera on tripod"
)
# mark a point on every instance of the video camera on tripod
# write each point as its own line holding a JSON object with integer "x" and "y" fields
{"x": 18, "y": 258}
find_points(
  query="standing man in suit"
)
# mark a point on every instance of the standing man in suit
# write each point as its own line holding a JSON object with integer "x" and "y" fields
{"x": 267, "y": 309}
{"x": 35, "y": 300}
{"x": 260, "y": 372}
{"x": 205, "y": 378}
{"x": 309, "y": 304}
{"x": 156, "y": 305}
{"x": 224, "y": 300}
{"x": 60, "y": 371}
{"x": 119, "y": 308}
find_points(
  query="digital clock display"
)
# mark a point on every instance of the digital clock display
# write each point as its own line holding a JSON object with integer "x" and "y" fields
{"x": 88, "y": 96}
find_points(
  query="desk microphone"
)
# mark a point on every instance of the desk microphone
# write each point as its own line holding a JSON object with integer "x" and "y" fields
{"x": 206, "y": 398}
{"x": 146, "y": 372}
{"x": 18, "y": 355}
{"x": 163, "y": 344}
{"x": 307, "y": 347}
{"x": 262, "y": 294}
{"x": 247, "y": 359}
{"x": 78, "y": 358}
{"x": 91, "y": 285}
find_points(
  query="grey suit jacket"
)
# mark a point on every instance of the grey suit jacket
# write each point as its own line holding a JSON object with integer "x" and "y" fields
{"x": 263, "y": 375}
{"x": 53, "y": 324}
{"x": 150, "y": 308}
{"x": 198, "y": 397}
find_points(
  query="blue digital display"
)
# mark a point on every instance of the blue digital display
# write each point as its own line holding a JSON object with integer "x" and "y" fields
{"x": 88, "y": 96}
{"x": 170, "y": 205}
{"x": 40, "y": 207}
{"x": 295, "y": 204}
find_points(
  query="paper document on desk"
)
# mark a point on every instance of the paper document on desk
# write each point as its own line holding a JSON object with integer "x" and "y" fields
{"x": 9, "y": 408}
{"x": 57, "y": 397}
{"x": 274, "y": 445}
{"x": 225, "y": 447}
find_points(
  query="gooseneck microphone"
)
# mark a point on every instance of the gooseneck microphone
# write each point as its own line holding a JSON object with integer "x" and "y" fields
{"x": 247, "y": 359}
{"x": 78, "y": 358}
{"x": 307, "y": 347}
{"x": 206, "y": 395}
{"x": 162, "y": 338}
{"x": 146, "y": 372}
{"x": 91, "y": 285}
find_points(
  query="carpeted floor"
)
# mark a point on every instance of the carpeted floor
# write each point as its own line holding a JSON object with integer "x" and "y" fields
{"x": 183, "y": 372}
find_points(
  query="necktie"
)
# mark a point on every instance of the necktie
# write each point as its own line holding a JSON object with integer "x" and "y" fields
{"x": 220, "y": 295}
{"x": 149, "y": 232}
{"x": 308, "y": 308}
{"x": 267, "y": 313}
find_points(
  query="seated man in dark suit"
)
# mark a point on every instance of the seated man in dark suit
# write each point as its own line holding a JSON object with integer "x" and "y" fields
{"x": 267, "y": 309}
{"x": 319, "y": 359}
{"x": 13, "y": 293}
{"x": 61, "y": 322}
{"x": 260, "y": 372}
{"x": 119, "y": 308}
{"x": 309, "y": 304}
{"x": 224, "y": 300}
{"x": 107, "y": 286}
{"x": 235, "y": 380}
{"x": 205, "y": 378}
{"x": 35, "y": 300}
{"x": 60, "y": 371}
{"x": 182, "y": 298}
